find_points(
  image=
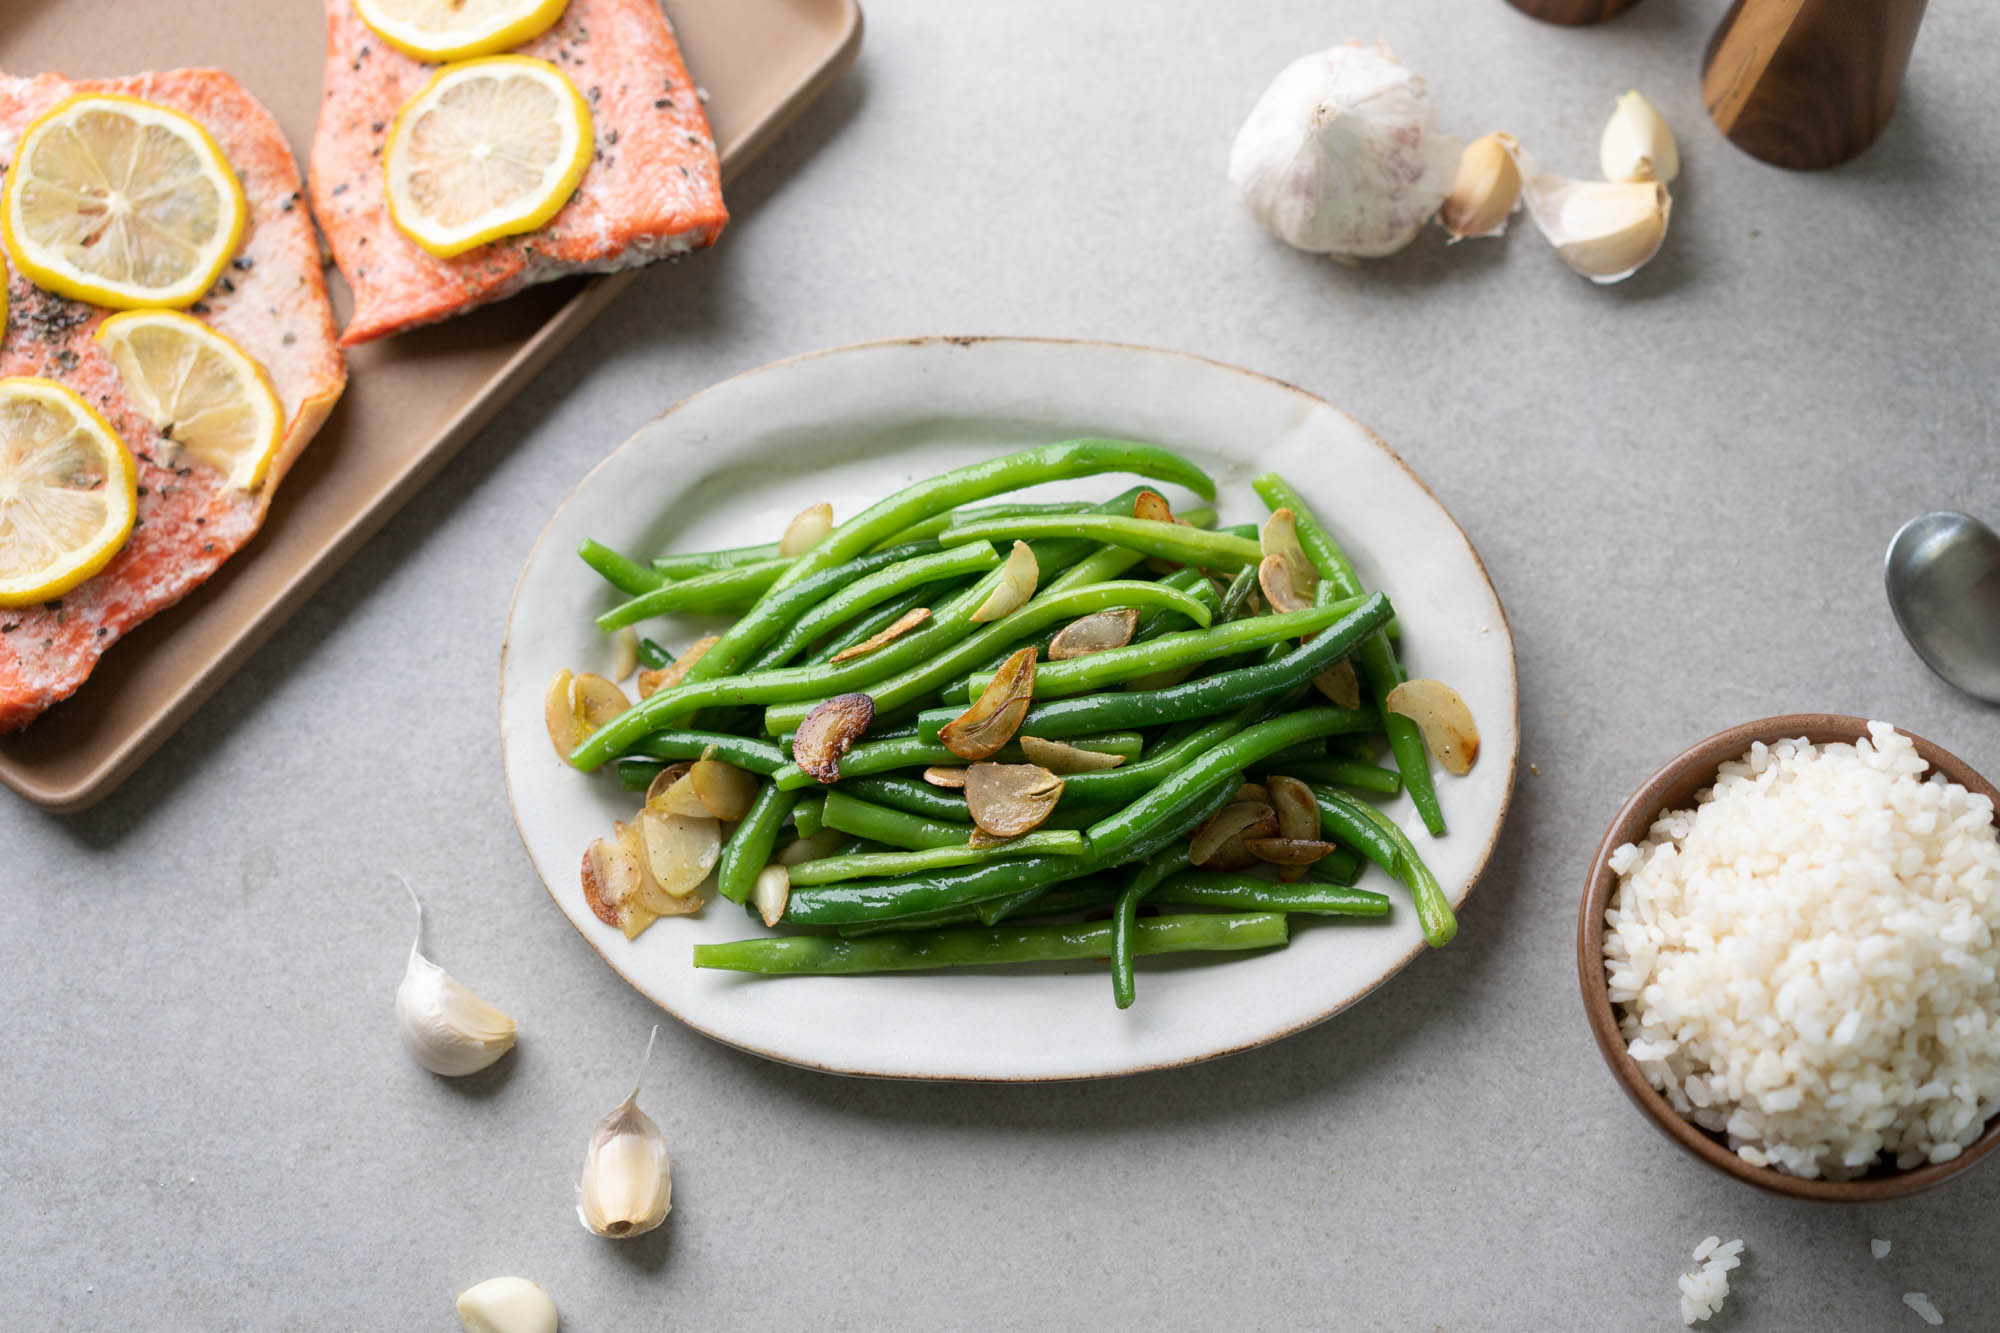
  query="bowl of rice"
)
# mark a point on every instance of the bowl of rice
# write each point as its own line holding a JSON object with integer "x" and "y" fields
{"x": 1789, "y": 951}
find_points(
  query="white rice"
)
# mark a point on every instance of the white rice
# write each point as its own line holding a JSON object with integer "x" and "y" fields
{"x": 1808, "y": 962}
{"x": 1921, "y": 1303}
{"x": 1703, "y": 1291}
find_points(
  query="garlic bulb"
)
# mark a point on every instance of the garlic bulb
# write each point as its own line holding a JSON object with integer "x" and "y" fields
{"x": 507, "y": 1305}
{"x": 1342, "y": 155}
{"x": 445, "y": 1027}
{"x": 1486, "y": 189}
{"x": 1637, "y": 145}
{"x": 1605, "y": 230}
{"x": 627, "y": 1186}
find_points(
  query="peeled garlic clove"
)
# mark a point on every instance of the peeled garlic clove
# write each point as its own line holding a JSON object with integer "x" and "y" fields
{"x": 627, "y": 1186}
{"x": 807, "y": 529}
{"x": 770, "y": 892}
{"x": 1485, "y": 191}
{"x": 1017, "y": 584}
{"x": 506, "y": 1305}
{"x": 444, "y": 1026}
{"x": 1441, "y": 715}
{"x": 1637, "y": 145}
{"x": 1605, "y": 230}
{"x": 1342, "y": 154}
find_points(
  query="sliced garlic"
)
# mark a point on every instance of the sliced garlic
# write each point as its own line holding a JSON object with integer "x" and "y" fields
{"x": 769, "y": 894}
{"x": 624, "y": 653}
{"x": 506, "y": 1305}
{"x": 445, "y": 1027}
{"x": 1441, "y": 714}
{"x": 627, "y": 1186}
{"x": 1017, "y": 584}
{"x": 807, "y": 529}
{"x": 1637, "y": 145}
{"x": 1605, "y": 230}
{"x": 1486, "y": 190}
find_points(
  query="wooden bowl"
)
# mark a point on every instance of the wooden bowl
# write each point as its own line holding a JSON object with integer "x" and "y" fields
{"x": 1673, "y": 787}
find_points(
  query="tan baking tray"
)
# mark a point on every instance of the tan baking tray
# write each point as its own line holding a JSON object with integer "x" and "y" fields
{"x": 411, "y": 401}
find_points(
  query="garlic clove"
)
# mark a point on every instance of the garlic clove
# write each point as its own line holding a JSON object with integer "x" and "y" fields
{"x": 807, "y": 529}
{"x": 627, "y": 1186}
{"x": 1486, "y": 190}
{"x": 444, "y": 1026}
{"x": 1605, "y": 230}
{"x": 1342, "y": 154}
{"x": 506, "y": 1305}
{"x": 1636, "y": 144}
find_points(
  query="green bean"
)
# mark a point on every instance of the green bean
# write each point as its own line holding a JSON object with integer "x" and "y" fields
{"x": 940, "y": 666}
{"x": 1071, "y": 896}
{"x": 1127, "y": 782}
{"x": 863, "y": 532}
{"x": 1185, "y": 648}
{"x": 1247, "y": 893}
{"x": 637, "y": 774}
{"x": 1433, "y": 908}
{"x": 863, "y": 593}
{"x": 1341, "y": 866}
{"x": 1231, "y": 756}
{"x": 1190, "y": 581}
{"x": 906, "y": 951}
{"x": 1341, "y": 817}
{"x": 625, "y": 574}
{"x": 1237, "y": 596}
{"x": 1346, "y": 773}
{"x": 708, "y": 562}
{"x": 1376, "y": 658}
{"x": 912, "y": 752}
{"x": 652, "y": 656}
{"x": 746, "y": 752}
{"x": 780, "y": 684}
{"x": 936, "y": 523}
{"x": 1125, "y": 916}
{"x": 748, "y": 850}
{"x": 1194, "y": 698}
{"x": 725, "y": 590}
{"x": 1169, "y": 541}
{"x": 912, "y": 795}
{"x": 834, "y": 869}
{"x": 807, "y": 815}
{"x": 897, "y": 828}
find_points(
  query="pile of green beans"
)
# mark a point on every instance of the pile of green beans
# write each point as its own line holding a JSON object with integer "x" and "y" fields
{"x": 1213, "y": 689}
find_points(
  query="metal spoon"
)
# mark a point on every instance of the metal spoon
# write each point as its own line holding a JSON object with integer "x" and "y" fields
{"x": 1943, "y": 575}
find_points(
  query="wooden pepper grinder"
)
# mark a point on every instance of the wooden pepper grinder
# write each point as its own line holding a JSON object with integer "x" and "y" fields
{"x": 1572, "y": 12}
{"x": 1807, "y": 84}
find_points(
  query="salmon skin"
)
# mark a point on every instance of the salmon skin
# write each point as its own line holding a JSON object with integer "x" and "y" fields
{"x": 653, "y": 188}
{"x": 271, "y": 299}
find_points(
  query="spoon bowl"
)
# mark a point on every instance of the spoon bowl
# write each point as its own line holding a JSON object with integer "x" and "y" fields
{"x": 1942, "y": 572}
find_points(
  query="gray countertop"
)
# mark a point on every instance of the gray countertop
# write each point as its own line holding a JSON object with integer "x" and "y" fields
{"x": 1682, "y": 487}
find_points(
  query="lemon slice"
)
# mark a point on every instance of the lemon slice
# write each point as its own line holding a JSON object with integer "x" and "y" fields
{"x": 458, "y": 29}
{"x": 68, "y": 491}
{"x": 489, "y": 148}
{"x": 208, "y": 396}
{"x": 121, "y": 203}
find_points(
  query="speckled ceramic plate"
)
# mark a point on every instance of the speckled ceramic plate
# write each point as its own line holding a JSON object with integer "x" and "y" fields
{"x": 731, "y": 464}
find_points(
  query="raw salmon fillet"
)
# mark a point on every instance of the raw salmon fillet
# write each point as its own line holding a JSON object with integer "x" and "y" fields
{"x": 271, "y": 300}
{"x": 653, "y": 189}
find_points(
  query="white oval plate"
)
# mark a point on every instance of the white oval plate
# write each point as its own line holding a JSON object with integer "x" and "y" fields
{"x": 731, "y": 464}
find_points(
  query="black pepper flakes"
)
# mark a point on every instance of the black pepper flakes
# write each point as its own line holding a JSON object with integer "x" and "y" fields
{"x": 290, "y": 199}
{"x": 242, "y": 263}
{"x": 611, "y": 138}
{"x": 660, "y": 103}
{"x": 339, "y": 189}
{"x": 375, "y": 127}
{"x": 208, "y": 548}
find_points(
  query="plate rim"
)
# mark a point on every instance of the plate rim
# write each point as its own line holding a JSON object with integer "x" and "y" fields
{"x": 964, "y": 342}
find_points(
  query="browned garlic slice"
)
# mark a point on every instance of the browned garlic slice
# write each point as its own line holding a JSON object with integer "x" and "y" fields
{"x": 723, "y": 790}
{"x": 946, "y": 775}
{"x": 1058, "y": 757}
{"x": 1007, "y": 800}
{"x": 996, "y": 714}
{"x": 1441, "y": 714}
{"x": 573, "y": 706}
{"x": 827, "y": 733}
{"x": 906, "y": 622}
{"x": 1017, "y": 584}
{"x": 651, "y": 682}
{"x": 1339, "y": 684}
{"x": 1094, "y": 633}
{"x": 1218, "y": 842}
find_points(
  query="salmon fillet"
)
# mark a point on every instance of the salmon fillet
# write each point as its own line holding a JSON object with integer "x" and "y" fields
{"x": 271, "y": 300}
{"x": 654, "y": 187}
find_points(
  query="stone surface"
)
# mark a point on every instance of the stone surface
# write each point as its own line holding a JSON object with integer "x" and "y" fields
{"x": 1682, "y": 486}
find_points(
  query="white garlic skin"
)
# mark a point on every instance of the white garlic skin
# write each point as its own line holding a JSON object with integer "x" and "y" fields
{"x": 445, "y": 1027}
{"x": 627, "y": 1186}
{"x": 1342, "y": 155}
{"x": 507, "y": 1305}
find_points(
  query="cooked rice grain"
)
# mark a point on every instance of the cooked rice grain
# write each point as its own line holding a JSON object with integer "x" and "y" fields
{"x": 1806, "y": 962}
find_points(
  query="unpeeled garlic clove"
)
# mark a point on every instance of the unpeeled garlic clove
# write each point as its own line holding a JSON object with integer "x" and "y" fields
{"x": 445, "y": 1027}
{"x": 1605, "y": 230}
{"x": 627, "y": 1187}
{"x": 1636, "y": 144}
{"x": 1486, "y": 190}
{"x": 507, "y": 1305}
